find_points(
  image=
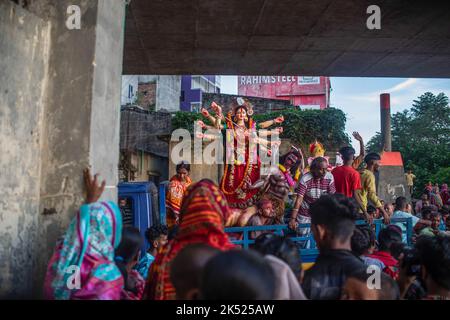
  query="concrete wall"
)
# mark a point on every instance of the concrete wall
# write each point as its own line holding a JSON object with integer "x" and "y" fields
{"x": 198, "y": 171}
{"x": 168, "y": 91}
{"x": 79, "y": 127}
{"x": 392, "y": 183}
{"x": 24, "y": 40}
{"x": 126, "y": 82}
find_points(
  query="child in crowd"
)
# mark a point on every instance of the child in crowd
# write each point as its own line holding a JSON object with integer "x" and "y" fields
{"x": 238, "y": 275}
{"x": 157, "y": 237}
{"x": 187, "y": 268}
{"x": 126, "y": 257}
{"x": 433, "y": 228}
{"x": 265, "y": 216}
{"x": 373, "y": 212}
{"x": 363, "y": 244}
{"x": 386, "y": 238}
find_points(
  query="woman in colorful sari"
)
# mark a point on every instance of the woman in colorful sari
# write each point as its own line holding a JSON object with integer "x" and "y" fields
{"x": 203, "y": 214}
{"x": 82, "y": 266}
{"x": 175, "y": 193}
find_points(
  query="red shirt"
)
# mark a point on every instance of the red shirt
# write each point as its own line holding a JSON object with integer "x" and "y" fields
{"x": 346, "y": 180}
{"x": 391, "y": 264}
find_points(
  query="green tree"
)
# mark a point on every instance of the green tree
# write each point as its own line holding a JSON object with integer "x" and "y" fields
{"x": 422, "y": 134}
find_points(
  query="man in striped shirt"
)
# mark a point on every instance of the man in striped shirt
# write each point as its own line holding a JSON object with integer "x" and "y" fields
{"x": 311, "y": 187}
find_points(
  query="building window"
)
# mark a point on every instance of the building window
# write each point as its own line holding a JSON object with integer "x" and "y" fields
{"x": 130, "y": 91}
{"x": 205, "y": 85}
{"x": 196, "y": 106}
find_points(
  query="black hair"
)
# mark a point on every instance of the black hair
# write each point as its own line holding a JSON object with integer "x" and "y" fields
{"x": 371, "y": 209}
{"x": 400, "y": 203}
{"x": 282, "y": 248}
{"x": 387, "y": 237}
{"x": 444, "y": 211}
{"x": 154, "y": 232}
{"x": 397, "y": 249}
{"x": 337, "y": 213}
{"x": 238, "y": 275}
{"x": 361, "y": 241}
{"x": 128, "y": 250}
{"x": 347, "y": 153}
{"x": 187, "y": 267}
{"x": 371, "y": 157}
{"x": 434, "y": 254}
{"x": 316, "y": 162}
{"x": 183, "y": 165}
{"x": 434, "y": 214}
{"x": 426, "y": 211}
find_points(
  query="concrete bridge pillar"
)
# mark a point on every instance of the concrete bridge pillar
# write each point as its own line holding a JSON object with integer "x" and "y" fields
{"x": 60, "y": 108}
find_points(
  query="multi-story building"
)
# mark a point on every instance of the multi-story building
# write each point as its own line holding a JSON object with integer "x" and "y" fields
{"x": 152, "y": 92}
{"x": 304, "y": 92}
{"x": 192, "y": 89}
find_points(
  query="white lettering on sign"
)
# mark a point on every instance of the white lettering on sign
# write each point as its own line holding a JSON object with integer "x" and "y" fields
{"x": 309, "y": 106}
{"x": 250, "y": 80}
{"x": 308, "y": 80}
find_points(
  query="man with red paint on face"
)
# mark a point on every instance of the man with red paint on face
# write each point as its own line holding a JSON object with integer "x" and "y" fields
{"x": 264, "y": 217}
{"x": 314, "y": 184}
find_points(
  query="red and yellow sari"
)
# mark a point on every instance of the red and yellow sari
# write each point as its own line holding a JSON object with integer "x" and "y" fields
{"x": 174, "y": 197}
{"x": 202, "y": 216}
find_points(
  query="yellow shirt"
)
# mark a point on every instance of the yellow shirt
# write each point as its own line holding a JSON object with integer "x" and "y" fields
{"x": 368, "y": 192}
{"x": 410, "y": 179}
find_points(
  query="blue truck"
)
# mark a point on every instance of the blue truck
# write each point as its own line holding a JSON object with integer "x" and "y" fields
{"x": 142, "y": 205}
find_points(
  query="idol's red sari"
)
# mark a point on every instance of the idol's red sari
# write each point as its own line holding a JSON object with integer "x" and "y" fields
{"x": 243, "y": 173}
{"x": 203, "y": 213}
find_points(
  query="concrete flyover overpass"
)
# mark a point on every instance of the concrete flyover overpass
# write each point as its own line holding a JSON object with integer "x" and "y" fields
{"x": 313, "y": 37}
{"x": 60, "y": 87}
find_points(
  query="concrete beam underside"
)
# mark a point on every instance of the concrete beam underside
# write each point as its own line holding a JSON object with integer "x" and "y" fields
{"x": 308, "y": 37}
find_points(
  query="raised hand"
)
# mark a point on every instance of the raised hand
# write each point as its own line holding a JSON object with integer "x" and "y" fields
{"x": 204, "y": 112}
{"x": 93, "y": 189}
{"x": 279, "y": 119}
{"x": 201, "y": 124}
{"x": 280, "y": 130}
{"x": 357, "y": 136}
{"x": 200, "y": 135}
{"x": 217, "y": 109}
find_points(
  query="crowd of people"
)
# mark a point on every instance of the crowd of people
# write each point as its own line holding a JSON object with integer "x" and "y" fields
{"x": 195, "y": 259}
{"x": 200, "y": 262}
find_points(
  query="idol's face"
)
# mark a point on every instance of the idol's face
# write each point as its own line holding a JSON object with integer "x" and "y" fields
{"x": 290, "y": 160}
{"x": 241, "y": 114}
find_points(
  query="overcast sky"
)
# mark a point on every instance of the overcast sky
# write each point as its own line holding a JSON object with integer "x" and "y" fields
{"x": 359, "y": 98}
